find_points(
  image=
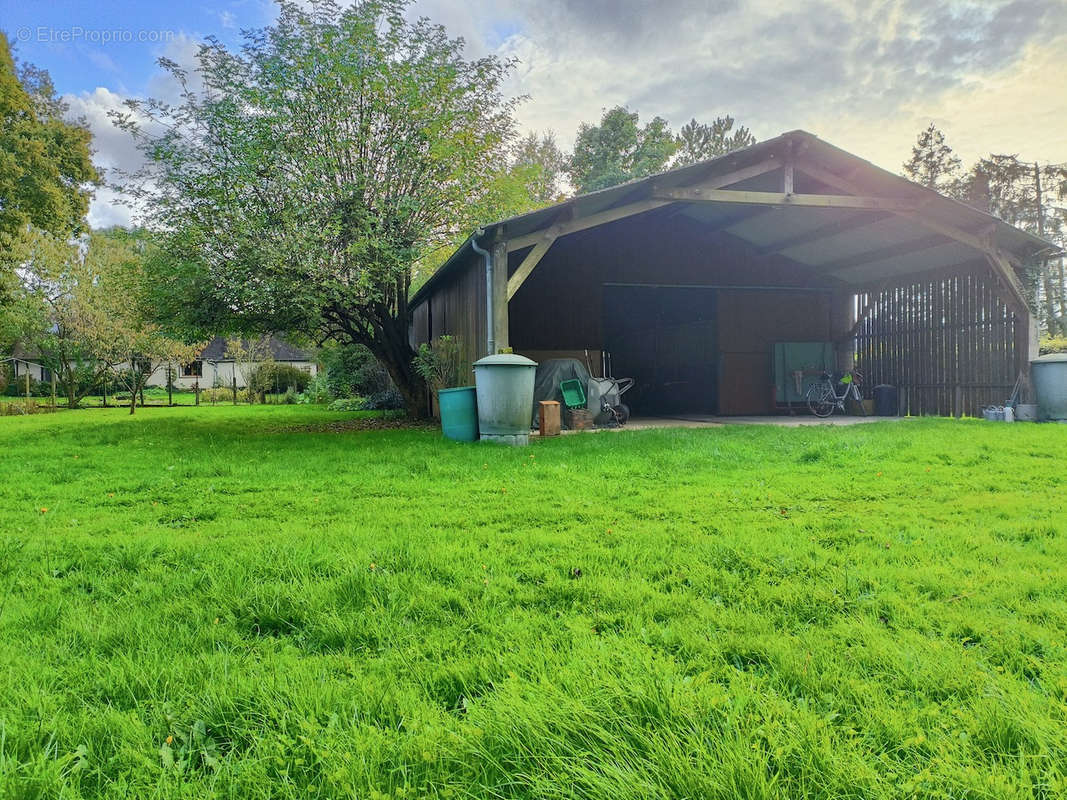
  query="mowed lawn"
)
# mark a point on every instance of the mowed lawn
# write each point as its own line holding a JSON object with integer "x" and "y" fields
{"x": 267, "y": 602}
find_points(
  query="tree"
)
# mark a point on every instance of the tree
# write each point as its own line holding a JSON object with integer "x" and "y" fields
{"x": 130, "y": 340}
{"x": 542, "y": 165}
{"x": 46, "y": 174}
{"x": 246, "y": 354}
{"x": 1027, "y": 195}
{"x": 85, "y": 310}
{"x": 933, "y": 164}
{"x": 300, "y": 188}
{"x": 59, "y": 299}
{"x": 699, "y": 142}
{"x": 618, "y": 150}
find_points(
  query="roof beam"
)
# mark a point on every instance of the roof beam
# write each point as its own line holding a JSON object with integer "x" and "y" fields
{"x": 982, "y": 241}
{"x": 700, "y": 195}
{"x": 844, "y": 265}
{"x": 736, "y": 176}
{"x": 581, "y": 223}
{"x": 639, "y": 207}
{"x": 527, "y": 266}
{"x": 825, "y": 232}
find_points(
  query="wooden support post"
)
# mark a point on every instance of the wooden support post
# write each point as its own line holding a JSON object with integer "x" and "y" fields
{"x": 842, "y": 331}
{"x": 500, "y": 296}
{"x": 53, "y": 390}
{"x": 196, "y": 390}
{"x": 787, "y": 170}
{"x": 27, "y": 381}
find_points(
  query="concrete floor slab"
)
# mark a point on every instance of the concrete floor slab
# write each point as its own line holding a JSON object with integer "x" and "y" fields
{"x": 709, "y": 421}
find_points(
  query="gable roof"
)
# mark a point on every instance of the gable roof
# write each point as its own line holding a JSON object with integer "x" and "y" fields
{"x": 280, "y": 350}
{"x": 804, "y": 224}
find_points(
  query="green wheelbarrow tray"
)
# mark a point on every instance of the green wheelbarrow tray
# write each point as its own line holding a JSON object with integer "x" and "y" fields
{"x": 573, "y": 393}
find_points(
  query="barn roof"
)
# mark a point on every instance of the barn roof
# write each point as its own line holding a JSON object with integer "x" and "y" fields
{"x": 855, "y": 245}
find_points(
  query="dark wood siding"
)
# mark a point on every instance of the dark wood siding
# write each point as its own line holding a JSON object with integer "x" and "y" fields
{"x": 947, "y": 341}
{"x": 456, "y": 308}
{"x": 750, "y": 322}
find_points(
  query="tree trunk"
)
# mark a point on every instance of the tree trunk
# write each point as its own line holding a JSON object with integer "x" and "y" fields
{"x": 391, "y": 347}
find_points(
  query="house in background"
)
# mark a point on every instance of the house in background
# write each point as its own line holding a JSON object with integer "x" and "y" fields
{"x": 23, "y": 361}
{"x": 216, "y": 366}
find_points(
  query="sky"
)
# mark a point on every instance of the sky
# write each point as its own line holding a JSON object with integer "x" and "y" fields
{"x": 865, "y": 75}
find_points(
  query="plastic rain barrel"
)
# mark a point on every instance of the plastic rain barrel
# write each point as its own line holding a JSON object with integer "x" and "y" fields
{"x": 459, "y": 413}
{"x": 505, "y": 386}
{"x": 1049, "y": 376}
{"x": 885, "y": 400}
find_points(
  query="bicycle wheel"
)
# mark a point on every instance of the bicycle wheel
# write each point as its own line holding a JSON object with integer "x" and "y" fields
{"x": 821, "y": 400}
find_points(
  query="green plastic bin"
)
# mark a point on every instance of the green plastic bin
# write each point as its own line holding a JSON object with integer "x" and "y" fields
{"x": 459, "y": 413}
{"x": 573, "y": 393}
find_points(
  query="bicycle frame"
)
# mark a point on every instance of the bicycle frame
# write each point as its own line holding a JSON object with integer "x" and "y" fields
{"x": 823, "y": 398}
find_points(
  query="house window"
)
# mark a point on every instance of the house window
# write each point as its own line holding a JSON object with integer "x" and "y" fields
{"x": 194, "y": 369}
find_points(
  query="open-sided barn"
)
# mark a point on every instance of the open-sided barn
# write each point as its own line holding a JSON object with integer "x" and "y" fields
{"x": 698, "y": 280}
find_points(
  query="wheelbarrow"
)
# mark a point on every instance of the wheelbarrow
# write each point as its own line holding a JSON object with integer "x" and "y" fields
{"x": 604, "y": 400}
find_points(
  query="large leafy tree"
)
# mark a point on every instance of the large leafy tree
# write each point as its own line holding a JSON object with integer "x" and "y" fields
{"x": 542, "y": 167}
{"x": 46, "y": 174}
{"x": 698, "y": 141}
{"x": 933, "y": 163}
{"x": 1031, "y": 197}
{"x": 300, "y": 187}
{"x": 619, "y": 149}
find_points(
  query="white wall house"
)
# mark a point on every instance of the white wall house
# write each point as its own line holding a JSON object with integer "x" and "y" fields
{"x": 216, "y": 367}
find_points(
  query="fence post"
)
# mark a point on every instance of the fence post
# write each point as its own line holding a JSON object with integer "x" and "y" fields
{"x": 196, "y": 390}
{"x": 53, "y": 391}
{"x": 27, "y": 381}
{"x": 958, "y": 402}
{"x": 170, "y": 385}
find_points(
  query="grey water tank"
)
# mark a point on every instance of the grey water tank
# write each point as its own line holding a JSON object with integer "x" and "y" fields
{"x": 505, "y": 385}
{"x": 1049, "y": 376}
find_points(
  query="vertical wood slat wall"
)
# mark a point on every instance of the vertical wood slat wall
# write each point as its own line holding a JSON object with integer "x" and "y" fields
{"x": 947, "y": 343}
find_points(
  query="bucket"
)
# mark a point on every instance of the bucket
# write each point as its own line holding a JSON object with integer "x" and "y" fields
{"x": 1026, "y": 412}
{"x": 459, "y": 413}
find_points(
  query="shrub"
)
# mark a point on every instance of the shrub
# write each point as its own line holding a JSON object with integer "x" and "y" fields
{"x": 17, "y": 388}
{"x": 220, "y": 395}
{"x": 440, "y": 363}
{"x": 317, "y": 391}
{"x": 271, "y": 377}
{"x": 1053, "y": 344}
{"x": 388, "y": 400}
{"x": 348, "y": 404}
{"x": 19, "y": 407}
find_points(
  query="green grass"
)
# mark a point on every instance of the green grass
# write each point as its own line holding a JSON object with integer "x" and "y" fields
{"x": 264, "y": 602}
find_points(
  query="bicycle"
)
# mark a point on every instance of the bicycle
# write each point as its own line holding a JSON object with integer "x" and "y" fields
{"x": 823, "y": 398}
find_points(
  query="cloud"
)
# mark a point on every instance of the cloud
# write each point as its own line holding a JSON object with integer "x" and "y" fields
{"x": 866, "y": 76}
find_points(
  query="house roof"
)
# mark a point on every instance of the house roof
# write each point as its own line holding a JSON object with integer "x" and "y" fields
{"x": 856, "y": 246}
{"x": 280, "y": 350}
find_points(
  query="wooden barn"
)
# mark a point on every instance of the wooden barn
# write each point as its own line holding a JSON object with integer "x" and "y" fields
{"x": 718, "y": 286}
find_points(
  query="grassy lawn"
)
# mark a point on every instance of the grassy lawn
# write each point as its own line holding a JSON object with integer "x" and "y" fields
{"x": 269, "y": 602}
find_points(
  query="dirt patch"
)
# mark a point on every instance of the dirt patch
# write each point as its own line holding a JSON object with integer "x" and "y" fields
{"x": 356, "y": 425}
